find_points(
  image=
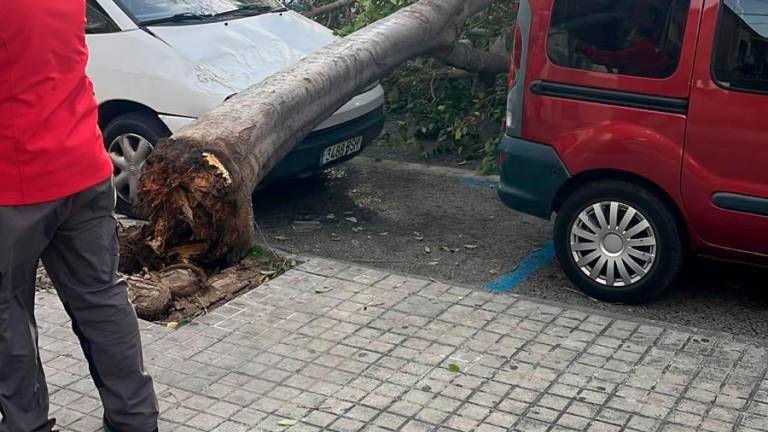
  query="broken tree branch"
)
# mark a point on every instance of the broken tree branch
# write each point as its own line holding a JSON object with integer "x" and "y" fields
{"x": 455, "y": 74}
{"x": 329, "y": 8}
{"x": 463, "y": 55}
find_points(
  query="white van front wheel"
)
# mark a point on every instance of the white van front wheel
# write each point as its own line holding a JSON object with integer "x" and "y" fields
{"x": 130, "y": 139}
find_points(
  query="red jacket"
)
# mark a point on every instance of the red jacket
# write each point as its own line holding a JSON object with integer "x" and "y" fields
{"x": 50, "y": 144}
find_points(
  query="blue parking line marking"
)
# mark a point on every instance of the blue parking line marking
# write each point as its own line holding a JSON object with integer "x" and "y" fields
{"x": 487, "y": 184}
{"x": 530, "y": 265}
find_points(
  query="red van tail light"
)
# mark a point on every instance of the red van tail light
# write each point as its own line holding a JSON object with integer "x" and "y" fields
{"x": 517, "y": 55}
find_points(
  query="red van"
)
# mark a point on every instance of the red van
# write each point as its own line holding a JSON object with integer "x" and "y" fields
{"x": 643, "y": 124}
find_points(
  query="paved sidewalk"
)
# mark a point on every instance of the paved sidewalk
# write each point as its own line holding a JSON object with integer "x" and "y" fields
{"x": 346, "y": 348}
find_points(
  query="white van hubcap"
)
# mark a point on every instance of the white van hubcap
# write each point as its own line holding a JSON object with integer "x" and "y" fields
{"x": 613, "y": 244}
{"x": 129, "y": 152}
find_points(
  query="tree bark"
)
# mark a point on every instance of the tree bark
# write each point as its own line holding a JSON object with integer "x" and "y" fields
{"x": 466, "y": 57}
{"x": 330, "y": 7}
{"x": 197, "y": 185}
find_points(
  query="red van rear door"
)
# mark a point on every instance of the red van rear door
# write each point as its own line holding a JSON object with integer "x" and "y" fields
{"x": 725, "y": 169}
{"x": 608, "y": 84}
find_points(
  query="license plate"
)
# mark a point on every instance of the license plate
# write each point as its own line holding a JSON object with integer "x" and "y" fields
{"x": 338, "y": 151}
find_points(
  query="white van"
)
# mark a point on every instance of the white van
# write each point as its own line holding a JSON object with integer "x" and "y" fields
{"x": 159, "y": 64}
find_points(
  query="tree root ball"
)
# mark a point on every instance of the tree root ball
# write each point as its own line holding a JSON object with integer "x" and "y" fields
{"x": 150, "y": 300}
{"x": 183, "y": 281}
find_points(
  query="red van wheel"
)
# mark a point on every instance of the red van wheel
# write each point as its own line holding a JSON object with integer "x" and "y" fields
{"x": 618, "y": 242}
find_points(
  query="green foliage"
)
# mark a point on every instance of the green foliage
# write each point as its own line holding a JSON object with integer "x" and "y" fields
{"x": 369, "y": 11}
{"x": 445, "y": 115}
{"x": 257, "y": 252}
{"x": 443, "y": 111}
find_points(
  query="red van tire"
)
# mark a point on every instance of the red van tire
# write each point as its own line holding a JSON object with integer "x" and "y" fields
{"x": 618, "y": 242}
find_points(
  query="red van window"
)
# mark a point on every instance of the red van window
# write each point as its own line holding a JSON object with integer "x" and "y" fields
{"x": 741, "y": 54}
{"x": 626, "y": 37}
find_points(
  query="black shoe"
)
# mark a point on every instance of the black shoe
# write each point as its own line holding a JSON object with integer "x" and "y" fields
{"x": 108, "y": 428}
{"x": 47, "y": 427}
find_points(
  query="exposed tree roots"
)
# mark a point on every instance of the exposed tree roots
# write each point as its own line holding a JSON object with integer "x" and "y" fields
{"x": 197, "y": 213}
{"x": 181, "y": 292}
{"x": 177, "y": 292}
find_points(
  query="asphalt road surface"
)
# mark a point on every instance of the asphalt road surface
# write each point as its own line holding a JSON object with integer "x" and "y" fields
{"x": 448, "y": 224}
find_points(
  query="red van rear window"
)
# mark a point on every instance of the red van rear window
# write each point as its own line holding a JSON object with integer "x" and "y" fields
{"x": 741, "y": 54}
{"x": 626, "y": 37}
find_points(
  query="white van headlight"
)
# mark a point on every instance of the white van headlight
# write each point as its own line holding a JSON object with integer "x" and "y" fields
{"x": 370, "y": 87}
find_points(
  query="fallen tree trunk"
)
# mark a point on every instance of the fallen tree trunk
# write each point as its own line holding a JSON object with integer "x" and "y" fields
{"x": 197, "y": 186}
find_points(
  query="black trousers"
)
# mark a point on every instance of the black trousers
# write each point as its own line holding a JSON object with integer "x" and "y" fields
{"x": 77, "y": 241}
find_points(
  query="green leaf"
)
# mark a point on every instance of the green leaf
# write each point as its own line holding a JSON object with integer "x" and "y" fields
{"x": 454, "y": 367}
{"x": 287, "y": 422}
{"x": 256, "y": 252}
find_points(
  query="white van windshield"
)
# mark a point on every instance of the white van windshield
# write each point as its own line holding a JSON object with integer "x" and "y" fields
{"x": 156, "y": 11}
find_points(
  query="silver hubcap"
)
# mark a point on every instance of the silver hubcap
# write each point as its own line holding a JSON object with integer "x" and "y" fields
{"x": 613, "y": 244}
{"x": 129, "y": 152}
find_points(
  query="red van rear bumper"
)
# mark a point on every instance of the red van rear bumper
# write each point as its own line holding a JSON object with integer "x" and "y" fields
{"x": 531, "y": 176}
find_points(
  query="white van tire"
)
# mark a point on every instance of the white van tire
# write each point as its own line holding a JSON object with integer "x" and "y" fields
{"x": 142, "y": 131}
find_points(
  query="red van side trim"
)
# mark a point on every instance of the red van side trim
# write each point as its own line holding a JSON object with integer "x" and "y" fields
{"x": 610, "y": 97}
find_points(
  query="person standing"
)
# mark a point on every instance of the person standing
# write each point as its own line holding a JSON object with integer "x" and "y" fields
{"x": 56, "y": 205}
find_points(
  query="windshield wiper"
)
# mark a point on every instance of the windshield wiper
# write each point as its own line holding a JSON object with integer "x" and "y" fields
{"x": 248, "y": 10}
{"x": 181, "y": 17}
